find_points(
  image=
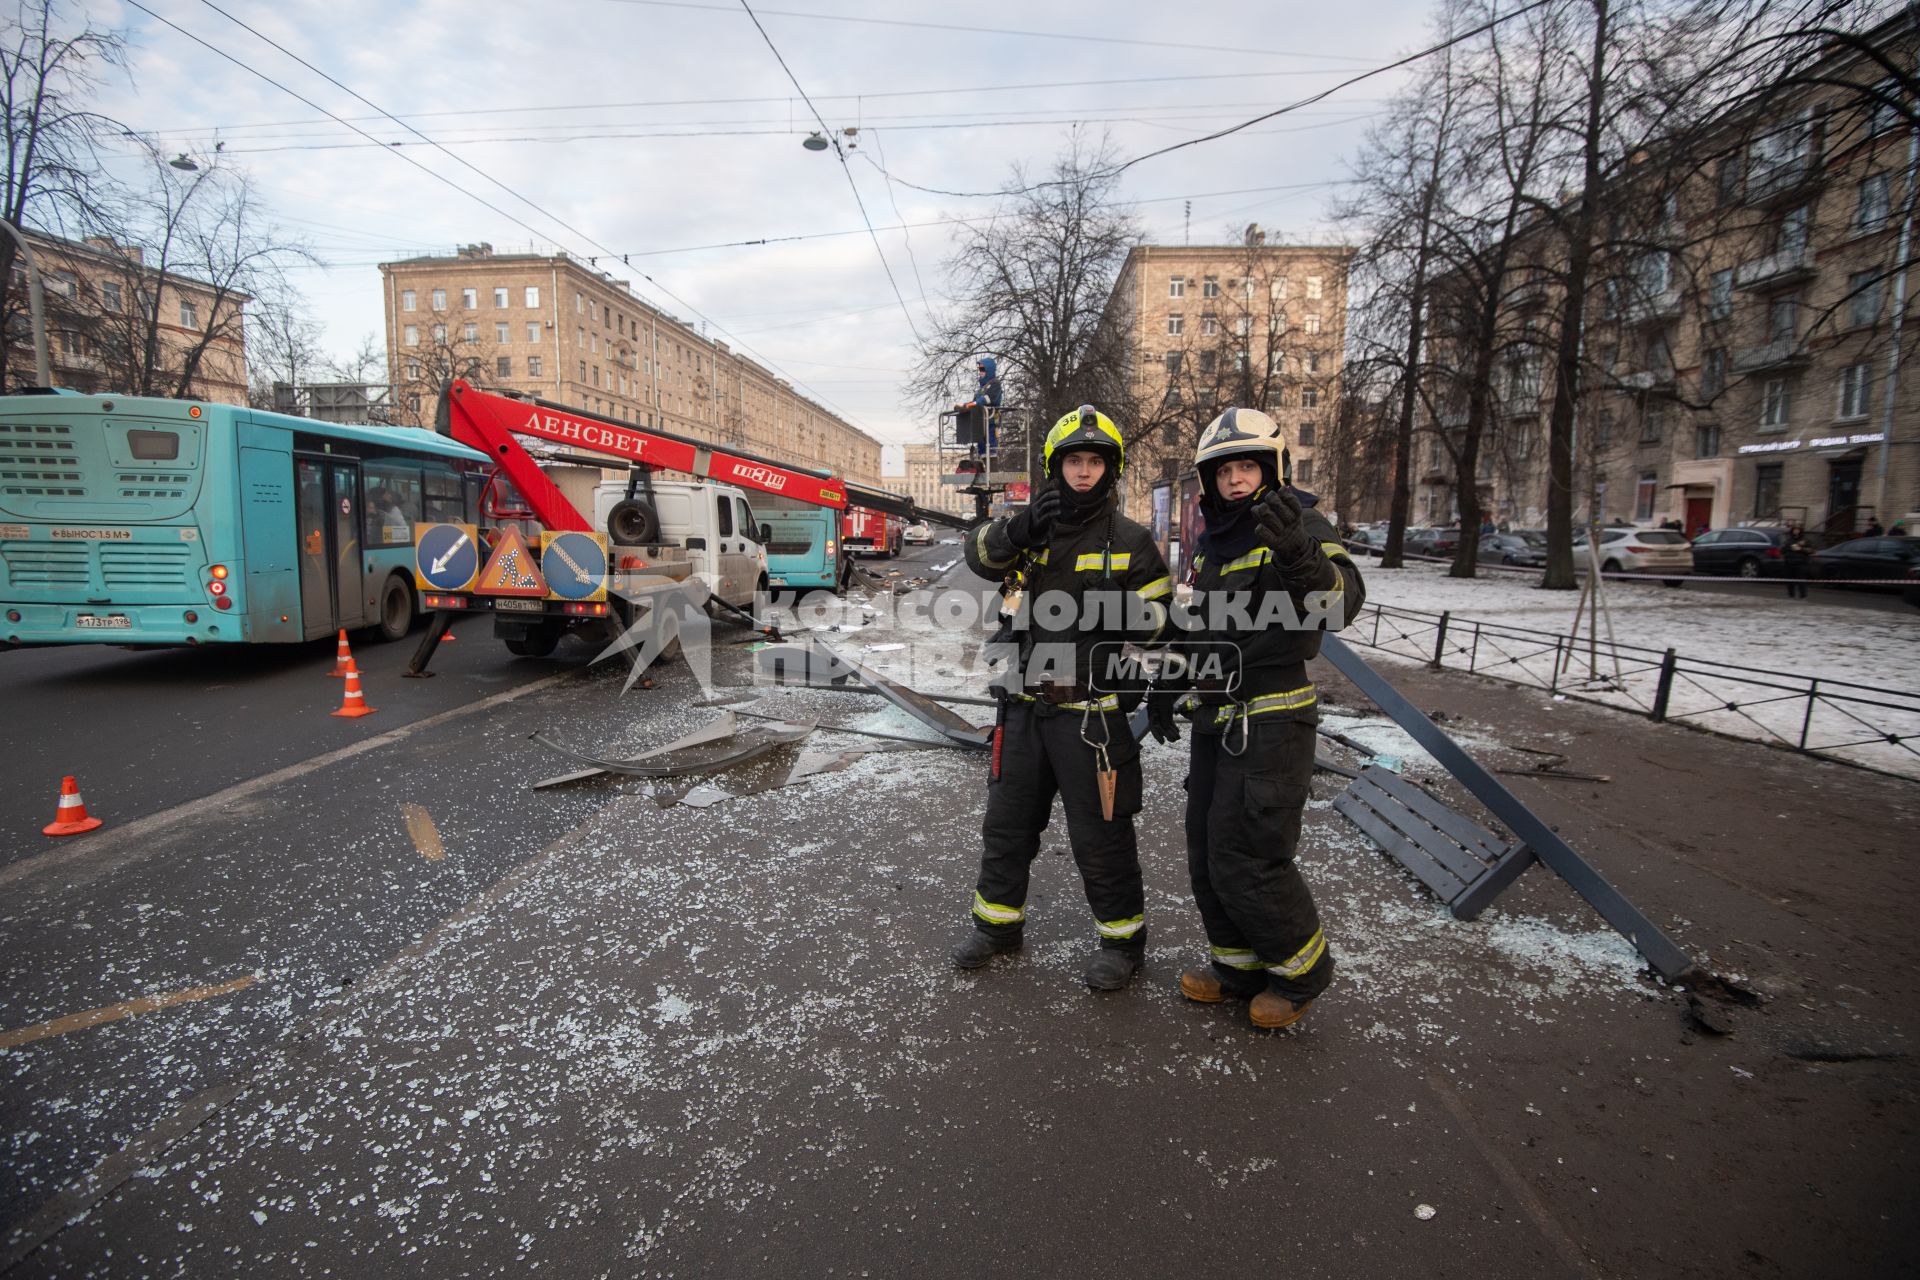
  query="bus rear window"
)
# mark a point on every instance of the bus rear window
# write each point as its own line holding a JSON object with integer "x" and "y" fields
{"x": 153, "y": 446}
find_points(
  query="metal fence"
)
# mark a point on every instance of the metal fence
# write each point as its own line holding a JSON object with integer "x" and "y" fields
{"x": 1858, "y": 724}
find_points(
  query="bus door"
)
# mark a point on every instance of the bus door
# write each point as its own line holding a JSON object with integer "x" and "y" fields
{"x": 331, "y": 594}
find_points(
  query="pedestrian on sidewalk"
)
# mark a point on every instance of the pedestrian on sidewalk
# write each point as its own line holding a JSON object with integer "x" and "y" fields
{"x": 1795, "y": 557}
{"x": 1253, "y": 716}
{"x": 1079, "y": 580}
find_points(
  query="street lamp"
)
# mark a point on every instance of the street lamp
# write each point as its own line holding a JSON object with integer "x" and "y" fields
{"x": 815, "y": 141}
{"x": 184, "y": 163}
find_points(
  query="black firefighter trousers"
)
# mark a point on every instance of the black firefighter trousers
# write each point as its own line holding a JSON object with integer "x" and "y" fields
{"x": 1243, "y": 830}
{"x": 1041, "y": 754}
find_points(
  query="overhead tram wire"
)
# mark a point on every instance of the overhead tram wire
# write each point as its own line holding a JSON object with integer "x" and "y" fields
{"x": 845, "y": 168}
{"x": 1078, "y": 37}
{"x": 470, "y": 194}
{"x": 967, "y": 90}
{"x": 1291, "y": 107}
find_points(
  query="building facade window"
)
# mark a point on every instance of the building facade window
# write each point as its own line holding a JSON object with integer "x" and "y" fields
{"x": 502, "y": 331}
{"x": 1644, "y": 492}
{"x": 407, "y": 299}
{"x": 1766, "y": 490}
{"x": 579, "y": 303}
{"x": 533, "y": 331}
{"x": 1309, "y": 399}
{"x": 469, "y": 299}
{"x": 439, "y": 299}
{"x": 1303, "y": 471}
{"x": 1277, "y": 289}
{"x": 1306, "y": 433}
{"x": 1872, "y": 205}
{"x": 110, "y": 296}
{"x": 1176, "y": 324}
{"x": 439, "y": 333}
{"x": 1863, "y": 298}
{"x": 411, "y": 335}
{"x": 413, "y": 370}
{"x": 1210, "y": 287}
{"x": 533, "y": 366}
{"x": 1313, "y": 287}
{"x": 1177, "y": 287}
{"x": 1311, "y": 324}
{"x": 533, "y": 295}
{"x": 1775, "y": 405}
{"x": 1720, "y": 295}
{"x": 1210, "y": 326}
{"x": 1652, "y": 424}
{"x": 503, "y": 366}
{"x": 1856, "y": 391}
{"x": 1713, "y": 372}
{"x": 500, "y": 297}
{"x": 1706, "y": 440}
{"x": 1782, "y": 319}
{"x": 189, "y": 314}
{"x": 470, "y": 332}
{"x": 1207, "y": 361}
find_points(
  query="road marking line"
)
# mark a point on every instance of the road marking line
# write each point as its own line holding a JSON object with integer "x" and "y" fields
{"x": 425, "y": 836}
{"x": 114, "y": 1012}
{"x": 137, "y": 831}
{"x": 1530, "y": 1202}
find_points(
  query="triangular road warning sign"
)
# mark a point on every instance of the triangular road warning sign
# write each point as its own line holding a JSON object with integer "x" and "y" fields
{"x": 512, "y": 570}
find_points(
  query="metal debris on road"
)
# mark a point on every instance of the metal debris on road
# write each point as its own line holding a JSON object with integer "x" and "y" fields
{"x": 725, "y": 726}
{"x": 708, "y": 758}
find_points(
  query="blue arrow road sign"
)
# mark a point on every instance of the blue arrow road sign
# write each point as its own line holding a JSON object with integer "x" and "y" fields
{"x": 447, "y": 557}
{"x": 575, "y": 565}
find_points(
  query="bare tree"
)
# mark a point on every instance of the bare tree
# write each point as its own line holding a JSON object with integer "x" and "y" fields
{"x": 1028, "y": 288}
{"x": 53, "y": 59}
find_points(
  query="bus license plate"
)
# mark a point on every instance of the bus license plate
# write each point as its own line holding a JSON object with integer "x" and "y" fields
{"x": 521, "y": 606}
{"x": 105, "y": 622}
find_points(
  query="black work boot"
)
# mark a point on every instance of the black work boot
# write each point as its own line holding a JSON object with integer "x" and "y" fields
{"x": 1113, "y": 967}
{"x": 977, "y": 950}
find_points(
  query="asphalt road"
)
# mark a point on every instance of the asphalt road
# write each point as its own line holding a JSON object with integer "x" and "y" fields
{"x": 251, "y": 835}
{"x": 594, "y": 1031}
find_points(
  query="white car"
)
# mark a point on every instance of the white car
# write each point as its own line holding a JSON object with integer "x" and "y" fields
{"x": 1637, "y": 549}
{"x": 917, "y": 533}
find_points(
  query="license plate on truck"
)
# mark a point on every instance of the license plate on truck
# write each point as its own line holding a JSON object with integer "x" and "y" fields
{"x": 520, "y": 606}
{"x": 104, "y": 621}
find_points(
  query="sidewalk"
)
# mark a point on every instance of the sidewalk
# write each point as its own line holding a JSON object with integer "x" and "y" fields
{"x": 728, "y": 1042}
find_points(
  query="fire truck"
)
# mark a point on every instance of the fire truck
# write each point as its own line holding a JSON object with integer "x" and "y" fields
{"x": 545, "y": 569}
{"x": 867, "y": 532}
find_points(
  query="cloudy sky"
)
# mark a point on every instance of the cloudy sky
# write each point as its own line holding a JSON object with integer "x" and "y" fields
{"x": 653, "y": 129}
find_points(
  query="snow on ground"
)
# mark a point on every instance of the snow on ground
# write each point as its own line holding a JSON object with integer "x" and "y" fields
{"x": 1784, "y": 643}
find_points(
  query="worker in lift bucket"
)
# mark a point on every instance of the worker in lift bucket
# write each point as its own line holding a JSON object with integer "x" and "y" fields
{"x": 1078, "y": 581}
{"x": 1251, "y": 763}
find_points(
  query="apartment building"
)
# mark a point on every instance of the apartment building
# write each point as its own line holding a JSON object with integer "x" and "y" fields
{"x": 1207, "y": 327}
{"x": 552, "y": 326}
{"x": 1744, "y": 359}
{"x": 923, "y": 482}
{"x": 115, "y": 323}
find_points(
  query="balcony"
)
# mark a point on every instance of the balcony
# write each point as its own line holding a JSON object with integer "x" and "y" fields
{"x": 1652, "y": 307}
{"x": 1646, "y": 381}
{"x": 1776, "y": 270}
{"x": 1781, "y": 353}
{"x": 1785, "y": 180}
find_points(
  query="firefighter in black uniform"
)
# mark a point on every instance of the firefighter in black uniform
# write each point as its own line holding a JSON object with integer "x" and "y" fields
{"x": 1080, "y": 581}
{"x": 1267, "y": 550}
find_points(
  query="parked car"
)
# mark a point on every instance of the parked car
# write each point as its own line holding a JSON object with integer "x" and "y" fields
{"x": 1511, "y": 548}
{"x": 1368, "y": 541}
{"x": 918, "y": 533}
{"x": 1432, "y": 542}
{"x": 1638, "y": 549}
{"x": 1884, "y": 558}
{"x": 1746, "y": 553}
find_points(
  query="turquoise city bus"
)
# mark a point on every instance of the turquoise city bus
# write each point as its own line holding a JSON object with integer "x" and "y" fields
{"x": 805, "y": 553}
{"x": 139, "y": 521}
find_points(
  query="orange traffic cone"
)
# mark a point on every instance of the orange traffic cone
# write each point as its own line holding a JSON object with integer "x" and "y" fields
{"x": 355, "y": 703}
{"x": 70, "y": 819}
{"x": 342, "y": 659}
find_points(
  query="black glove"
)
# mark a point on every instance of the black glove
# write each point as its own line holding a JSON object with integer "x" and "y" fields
{"x": 1160, "y": 719}
{"x": 1283, "y": 527}
{"x": 1034, "y": 523}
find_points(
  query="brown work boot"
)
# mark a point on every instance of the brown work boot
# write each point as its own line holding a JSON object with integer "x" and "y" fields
{"x": 1207, "y": 985}
{"x": 1272, "y": 1010}
{"x": 1202, "y": 985}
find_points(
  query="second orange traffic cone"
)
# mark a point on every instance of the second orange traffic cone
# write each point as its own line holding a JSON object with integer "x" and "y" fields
{"x": 70, "y": 818}
{"x": 342, "y": 659}
{"x": 355, "y": 702}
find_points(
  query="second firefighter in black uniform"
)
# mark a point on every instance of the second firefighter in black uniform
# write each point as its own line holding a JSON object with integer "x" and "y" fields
{"x": 1269, "y": 574}
{"x": 1081, "y": 581}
